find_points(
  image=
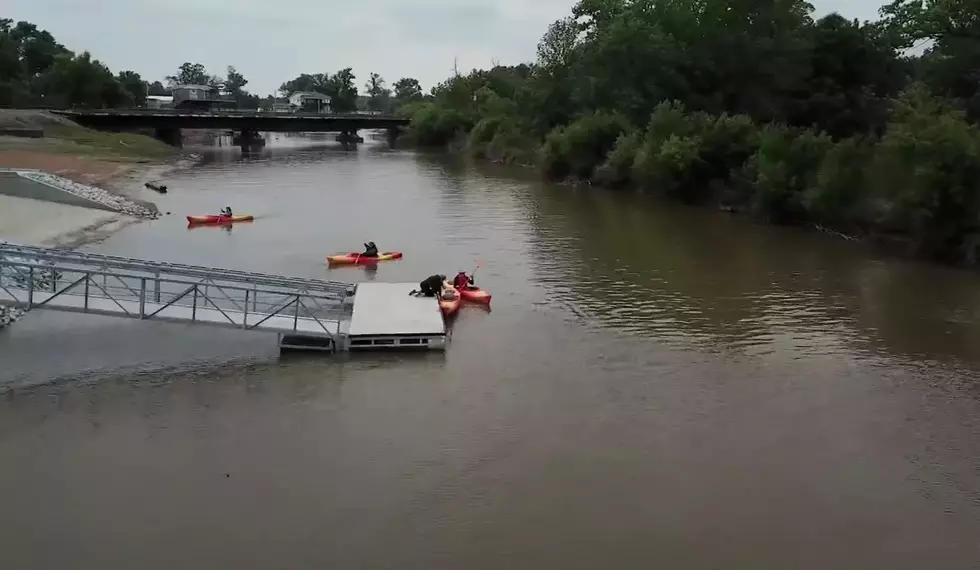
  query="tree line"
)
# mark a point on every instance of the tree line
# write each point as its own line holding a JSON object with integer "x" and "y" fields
{"x": 37, "y": 71}
{"x": 754, "y": 105}
{"x": 342, "y": 89}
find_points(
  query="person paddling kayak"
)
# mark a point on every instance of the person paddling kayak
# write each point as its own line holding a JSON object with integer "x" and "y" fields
{"x": 370, "y": 250}
{"x": 462, "y": 281}
{"x": 226, "y": 211}
{"x": 430, "y": 286}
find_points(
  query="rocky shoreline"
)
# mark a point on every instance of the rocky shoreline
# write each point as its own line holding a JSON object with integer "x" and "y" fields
{"x": 9, "y": 315}
{"x": 116, "y": 202}
{"x": 116, "y": 199}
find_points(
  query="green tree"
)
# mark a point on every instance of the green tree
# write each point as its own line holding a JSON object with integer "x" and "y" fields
{"x": 556, "y": 48}
{"x": 407, "y": 89}
{"x": 379, "y": 96}
{"x": 80, "y": 81}
{"x": 134, "y": 86}
{"x": 190, "y": 74}
{"x": 234, "y": 86}
{"x": 37, "y": 48}
{"x": 318, "y": 82}
{"x": 157, "y": 88}
{"x": 343, "y": 91}
{"x": 37, "y": 70}
{"x": 927, "y": 176}
{"x": 951, "y": 65}
{"x": 854, "y": 74}
{"x": 234, "y": 82}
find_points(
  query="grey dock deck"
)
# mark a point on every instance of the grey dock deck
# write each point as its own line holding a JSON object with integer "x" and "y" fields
{"x": 386, "y": 316}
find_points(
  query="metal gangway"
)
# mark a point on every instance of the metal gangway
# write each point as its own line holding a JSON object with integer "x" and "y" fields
{"x": 311, "y": 312}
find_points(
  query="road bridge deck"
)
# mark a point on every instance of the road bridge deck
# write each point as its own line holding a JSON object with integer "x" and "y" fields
{"x": 236, "y": 120}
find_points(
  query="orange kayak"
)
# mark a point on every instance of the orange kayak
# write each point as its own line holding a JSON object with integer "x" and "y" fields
{"x": 218, "y": 219}
{"x": 451, "y": 305}
{"x": 474, "y": 294}
{"x": 358, "y": 259}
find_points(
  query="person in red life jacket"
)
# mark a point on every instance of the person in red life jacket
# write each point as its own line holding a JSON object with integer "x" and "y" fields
{"x": 462, "y": 281}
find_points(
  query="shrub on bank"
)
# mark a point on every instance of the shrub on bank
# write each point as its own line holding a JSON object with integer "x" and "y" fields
{"x": 617, "y": 169}
{"x": 436, "y": 125}
{"x": 694, "y": 157}
{"x": 781, "y": 171}
{"x": 578, "y": 148}
{"x": 839, "y": 196}
{"x": 926, "y": 177}
{"x": 920, "y": 180}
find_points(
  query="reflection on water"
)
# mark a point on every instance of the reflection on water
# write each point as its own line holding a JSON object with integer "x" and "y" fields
{"x": 656, "y": 386}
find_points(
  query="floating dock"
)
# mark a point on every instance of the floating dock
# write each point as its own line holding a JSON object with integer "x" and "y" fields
{"x": 385, "y": 316}
{"x": 306, "y": 314}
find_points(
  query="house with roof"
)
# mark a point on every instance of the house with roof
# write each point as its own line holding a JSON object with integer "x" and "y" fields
{"x": 310, "y": 102}
{"x": 200, "y": 97}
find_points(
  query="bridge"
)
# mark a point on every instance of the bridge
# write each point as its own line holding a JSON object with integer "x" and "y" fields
{"x": 168, "y": 122}
{"x": 304, "y": 313}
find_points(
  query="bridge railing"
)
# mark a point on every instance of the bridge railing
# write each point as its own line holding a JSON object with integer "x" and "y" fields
{"x": 364, "y": 117}
{"x": 35, "y": 284}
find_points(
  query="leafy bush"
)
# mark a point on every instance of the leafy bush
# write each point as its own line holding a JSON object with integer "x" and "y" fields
{"x": 435, "y": 125}
{"x": 578, "y": 148}
{"x": 783, "y": 168}
{"x": 839, "y": 196}
{"x": 617, "y": 169}
{"x": 927, "y": 176}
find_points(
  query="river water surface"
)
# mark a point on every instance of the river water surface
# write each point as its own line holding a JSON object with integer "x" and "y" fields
{"x": 655, "y": 387}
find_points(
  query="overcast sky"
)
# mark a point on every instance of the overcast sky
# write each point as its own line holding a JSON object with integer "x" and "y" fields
{"x": 271, "y": 42}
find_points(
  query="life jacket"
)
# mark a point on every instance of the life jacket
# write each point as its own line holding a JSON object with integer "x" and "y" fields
{"x": 461, "y": 281}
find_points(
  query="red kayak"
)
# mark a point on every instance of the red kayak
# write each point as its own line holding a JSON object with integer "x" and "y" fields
{"x": 358, "y": 259}
{"x": 474, "y": 294}
{"x": 218, "y": 219}
{"x": 449, "y": 301}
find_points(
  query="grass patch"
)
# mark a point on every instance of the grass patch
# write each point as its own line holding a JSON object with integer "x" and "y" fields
{"x": 99, "y": 144}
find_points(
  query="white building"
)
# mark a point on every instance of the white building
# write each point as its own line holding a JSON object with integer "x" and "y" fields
{"x": 159, "y": 101}
{"x": 310, "y": 101}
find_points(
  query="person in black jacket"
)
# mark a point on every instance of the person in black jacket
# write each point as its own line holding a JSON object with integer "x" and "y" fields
{"x": 431, "y": 286}
{"x": 370, "y": 250}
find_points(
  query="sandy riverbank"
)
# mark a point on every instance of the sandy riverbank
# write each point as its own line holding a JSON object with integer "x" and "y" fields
{"x": 118, "y": 163}
{"x": 39, "y": 222}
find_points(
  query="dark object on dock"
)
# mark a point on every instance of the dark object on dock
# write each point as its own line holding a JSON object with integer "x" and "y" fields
{"x": 157, "y": 187}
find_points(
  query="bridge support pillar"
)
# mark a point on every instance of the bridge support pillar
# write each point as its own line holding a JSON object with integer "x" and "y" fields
{"x": 393, "y": 133}
{"x": 349, "y": 137}
{"x": 169, "y": 136}
{"x": 248, "y": 138}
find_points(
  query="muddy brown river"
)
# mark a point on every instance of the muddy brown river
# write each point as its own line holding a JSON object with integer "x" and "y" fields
{"x": 655, "y": 387}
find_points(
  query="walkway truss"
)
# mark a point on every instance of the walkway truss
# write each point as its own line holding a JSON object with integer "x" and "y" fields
{"x": 310, "y": 311}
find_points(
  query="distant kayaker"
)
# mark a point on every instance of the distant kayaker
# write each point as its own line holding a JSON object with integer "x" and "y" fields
{"x": 462, "y": 281}
{"x": 226, "y": 211}
{"x": 431, "y": 286}
{"x": 370, "y": 250}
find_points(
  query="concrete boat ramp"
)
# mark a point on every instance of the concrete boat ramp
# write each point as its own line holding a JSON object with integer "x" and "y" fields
{"x": 307, "y": 314}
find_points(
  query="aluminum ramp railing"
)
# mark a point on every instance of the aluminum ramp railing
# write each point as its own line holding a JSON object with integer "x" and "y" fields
{"x": 40, "y": 278}
{"x": 107, "y": 262}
